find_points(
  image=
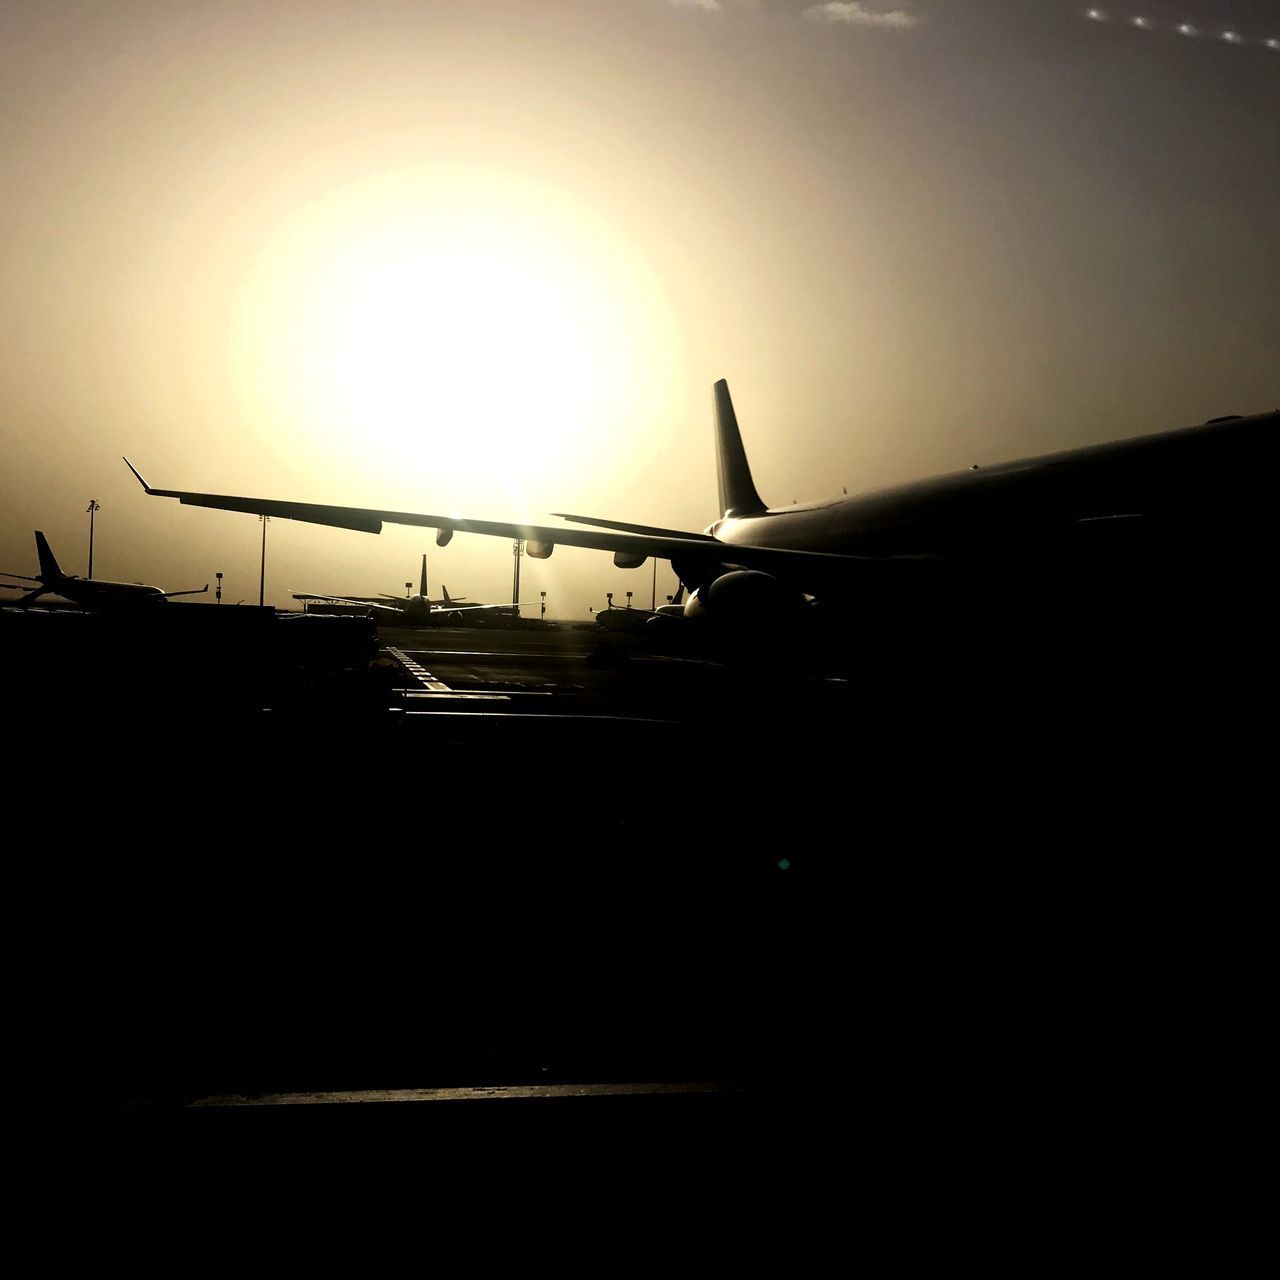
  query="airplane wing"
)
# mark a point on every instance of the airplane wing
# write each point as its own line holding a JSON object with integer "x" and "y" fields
{"x": 22, "y": 576}
{"x": 355, "y": 604}
{"x": 464, "y": 608}
{"x": 388, "y": 608}
{"x": 809, "y": 568}
{"x": 622, "y": 527}
{"x": 435, "y": 604}
{"x": 194, "y": 591}
{"x": 31, "y": 597}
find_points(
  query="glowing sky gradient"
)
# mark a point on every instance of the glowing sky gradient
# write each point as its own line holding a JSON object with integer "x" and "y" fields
{"x": 489, "y": 258}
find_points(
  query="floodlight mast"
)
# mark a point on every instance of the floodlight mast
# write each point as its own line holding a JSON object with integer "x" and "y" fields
{"x": 91, "y": 508}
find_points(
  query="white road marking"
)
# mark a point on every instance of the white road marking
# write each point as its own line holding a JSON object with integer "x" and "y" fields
{"x": 419, "y": 672}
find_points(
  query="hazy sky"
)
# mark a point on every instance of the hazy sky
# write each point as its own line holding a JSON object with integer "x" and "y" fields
{"x": 488, "y": 256}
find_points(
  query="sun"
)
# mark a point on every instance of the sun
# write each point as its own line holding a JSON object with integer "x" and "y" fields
{"x": 474, "y": 326}
{"x": 471, "y": 336}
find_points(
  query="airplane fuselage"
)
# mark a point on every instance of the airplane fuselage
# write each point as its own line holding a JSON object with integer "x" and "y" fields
{"x": 99, "y": 593}
{"x": 1183, "y": 481}
{"x": 419, "y": 611}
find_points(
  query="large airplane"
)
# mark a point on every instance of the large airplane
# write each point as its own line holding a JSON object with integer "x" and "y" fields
{"x": 1201, "y": 493}
{"x": 88, "y": 593}
{"x": 417, "y": 611}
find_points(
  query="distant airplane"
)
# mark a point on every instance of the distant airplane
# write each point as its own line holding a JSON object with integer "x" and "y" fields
{"x": 1201, "y": 493}
{"x": 620, "y": 618}
{"x": 416, "y": 611}
{"x": 89, "y": 593}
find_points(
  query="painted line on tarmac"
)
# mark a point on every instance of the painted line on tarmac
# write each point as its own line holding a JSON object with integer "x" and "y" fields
{"x": 419, "y": 672}
{"x": 456, "y": 695}
{"x": 562, "y": 718}
{"x": 481, "y": 1093}
{"x": 496, "y": 653}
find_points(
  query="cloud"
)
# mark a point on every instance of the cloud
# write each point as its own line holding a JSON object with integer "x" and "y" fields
{"x": 716, "y": 6}
{"x": 853, "y": 12}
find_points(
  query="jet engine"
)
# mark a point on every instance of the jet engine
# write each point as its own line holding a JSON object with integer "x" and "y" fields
{"x": 745, "y": 597}
{"x": 539, "y": 550}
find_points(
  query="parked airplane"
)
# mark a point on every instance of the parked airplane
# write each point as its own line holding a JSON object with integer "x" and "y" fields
{"x": 416, "y": 611}
{"x": 1201, "y": 493}
{"x": 618, "y": 618}
{"x": 89, "y": 593}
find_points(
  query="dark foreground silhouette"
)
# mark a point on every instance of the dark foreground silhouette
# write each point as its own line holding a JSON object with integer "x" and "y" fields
{"x": 1004, "y": 896}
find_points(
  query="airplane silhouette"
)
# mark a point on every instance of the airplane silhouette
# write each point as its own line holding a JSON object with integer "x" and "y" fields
{"x": 1198, "y": 493}
{"x": 417, "y": 610}
{"x": 88, "y": 593}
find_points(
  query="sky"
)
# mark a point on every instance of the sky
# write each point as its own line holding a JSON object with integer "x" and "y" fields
{"x": 488, "y": 257}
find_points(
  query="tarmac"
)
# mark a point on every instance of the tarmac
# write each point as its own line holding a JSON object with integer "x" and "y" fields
{"x": 467, "y": 857}
{"x": 553, "y": 871}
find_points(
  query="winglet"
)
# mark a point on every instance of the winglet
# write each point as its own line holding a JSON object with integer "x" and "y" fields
{"x": 146, "y": 488}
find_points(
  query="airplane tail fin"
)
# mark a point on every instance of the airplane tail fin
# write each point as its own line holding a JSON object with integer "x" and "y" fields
{"x": 49, "y": 570}
{"x": 738, "y": 496}
{"x": 422, "y": 586}
{"x": 444, "y": 591}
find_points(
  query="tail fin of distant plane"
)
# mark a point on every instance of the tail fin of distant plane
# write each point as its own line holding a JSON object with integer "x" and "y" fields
{"x": 444, "y": 591}
{"x": 49, "y": 571}
{"x": 422, "y": 586}
{"x": 738, "y": 496}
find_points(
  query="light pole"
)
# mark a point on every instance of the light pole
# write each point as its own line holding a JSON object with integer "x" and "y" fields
{"x": 91, "y": 508}
{"x": 262, "y": 579}
{"x": 408, "y": 586}
{"x": 628, "y": 599}
{"x": 543, "y": 615}
{"x": 653, "y": 600}
{"x": 517, "y": 550}
{"x": 217, "y": 595}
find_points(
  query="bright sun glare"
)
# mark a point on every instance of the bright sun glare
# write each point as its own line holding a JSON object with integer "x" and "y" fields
{"x": 486, "y": 329}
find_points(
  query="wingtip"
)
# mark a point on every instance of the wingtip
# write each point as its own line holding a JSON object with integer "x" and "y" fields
{"x": 146, "y": 488}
